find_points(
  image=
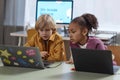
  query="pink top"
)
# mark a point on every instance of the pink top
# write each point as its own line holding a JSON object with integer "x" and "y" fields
{"x": 92, "y": 43}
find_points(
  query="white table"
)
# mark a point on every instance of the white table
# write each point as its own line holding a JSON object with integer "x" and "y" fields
{"x": 20, "y": 34}
{"x": 62, "y": 72}
{"x": 109, "y": 28}
{"x": 23, "y": 34}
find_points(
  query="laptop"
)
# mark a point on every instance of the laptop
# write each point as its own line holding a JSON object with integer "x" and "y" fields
{"x": 28, "y": 57}
{"x": 96, "y": 61}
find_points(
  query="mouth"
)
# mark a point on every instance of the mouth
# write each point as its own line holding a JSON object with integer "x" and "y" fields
{"x": 45, "y": 37}
{"x": 71, "y": 40}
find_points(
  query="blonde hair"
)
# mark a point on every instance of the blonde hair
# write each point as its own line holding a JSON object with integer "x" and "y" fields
{"x": 45, "y": 20}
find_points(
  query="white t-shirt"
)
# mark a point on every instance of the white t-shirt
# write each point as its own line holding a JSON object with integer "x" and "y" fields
{"x": 83, "y": 46}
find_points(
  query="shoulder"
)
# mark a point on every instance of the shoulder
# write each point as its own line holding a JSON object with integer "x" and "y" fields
{"x": 95, "y": 43}
{"x": 58, "y": 36}
{"x": 55, "y": 37}
{"x": 94, "y": 40}
{"x": 36, "y": 35}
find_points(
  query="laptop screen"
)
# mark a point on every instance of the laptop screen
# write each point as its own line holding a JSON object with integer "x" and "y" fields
{"x": 98, "y": 61}
{"x": 21, "y": 56}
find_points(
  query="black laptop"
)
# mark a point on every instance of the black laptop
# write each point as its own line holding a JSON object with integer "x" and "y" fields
{"x": 97, "y": 61}
{"x": 28, "y": 57}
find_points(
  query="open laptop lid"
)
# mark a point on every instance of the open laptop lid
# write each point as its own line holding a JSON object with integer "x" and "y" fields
{"x": 28, "y": 57}
{"x": 97, "y": 61}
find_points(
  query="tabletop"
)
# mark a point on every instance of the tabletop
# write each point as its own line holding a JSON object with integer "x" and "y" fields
{"x": 24, "y": 34}
{"x": 19, "y": 34}
{"x": 62, "y": 72}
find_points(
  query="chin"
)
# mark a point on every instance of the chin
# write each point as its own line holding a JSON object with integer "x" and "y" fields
{"x": 45, "y": 38}
{"x": 73, "y": 42}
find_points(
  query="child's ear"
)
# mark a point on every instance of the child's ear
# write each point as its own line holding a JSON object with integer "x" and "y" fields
{"x": 85, "y": 31}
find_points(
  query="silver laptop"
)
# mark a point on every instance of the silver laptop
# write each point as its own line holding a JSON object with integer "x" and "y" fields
{"x": 28, "y": 57}
{"x": 97, "y": 61}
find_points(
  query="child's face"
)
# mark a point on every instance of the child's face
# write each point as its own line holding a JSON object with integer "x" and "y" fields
{"x": 45, "y": 33}
{"x": 75, "y": 33}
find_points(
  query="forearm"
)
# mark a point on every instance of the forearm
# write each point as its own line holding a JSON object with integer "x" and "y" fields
{"x": 57, "y": 51}
{"x": 56, "y": 56}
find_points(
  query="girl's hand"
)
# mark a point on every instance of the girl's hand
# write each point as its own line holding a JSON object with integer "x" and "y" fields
{"x": 70, "y": 61}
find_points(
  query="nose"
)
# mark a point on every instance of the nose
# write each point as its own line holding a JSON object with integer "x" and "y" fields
{"x": 70, "y": 35}
{"x": 43, "y": 32}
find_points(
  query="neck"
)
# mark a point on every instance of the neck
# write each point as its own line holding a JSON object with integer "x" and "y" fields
{"x": 84, "y": 41}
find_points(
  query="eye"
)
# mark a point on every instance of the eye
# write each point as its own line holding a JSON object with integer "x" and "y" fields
{"x": 68, "y": 31}
{"x": 41, "y": 29}
{"x": 73, "y": 31}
